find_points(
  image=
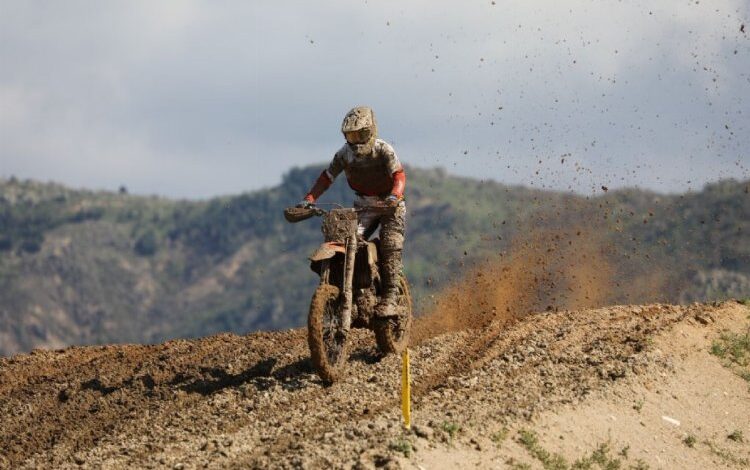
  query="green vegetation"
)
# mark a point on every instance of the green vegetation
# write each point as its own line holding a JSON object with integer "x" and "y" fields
{"x": 726, "y": 455}
{"x": 549, "y": 461}
{"x": 638, "y": 405}
{"x": 89, "y": 267}
{"x": 734, "y": 349}
{"x": 639, "y": 465}
{"x": 146, "y": 244}
{"x": 689, "y": 440}
{"x": 733, "y": 346}
{"x": 451, "y": 428}
{"x": 499, "y": 437}
{"x": 403, "y": 446}
{"x": 25, "y": 222}
{"x": 599, "y": 458}
{"x": 736, "y": 436}
{"x": 515, "y": 465}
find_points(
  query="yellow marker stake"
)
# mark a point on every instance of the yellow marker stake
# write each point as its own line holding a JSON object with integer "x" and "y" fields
{"x": 406, "y": 389}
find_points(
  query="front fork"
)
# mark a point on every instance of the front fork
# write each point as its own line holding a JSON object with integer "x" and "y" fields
{"x": 347, "y": 295}
{"x": 346, "y": 313}
{"x": 325, "y": 271}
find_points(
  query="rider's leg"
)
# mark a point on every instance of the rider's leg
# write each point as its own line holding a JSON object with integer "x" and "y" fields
{"x": 367, "y": 220}
{"x": 391, "y": 245}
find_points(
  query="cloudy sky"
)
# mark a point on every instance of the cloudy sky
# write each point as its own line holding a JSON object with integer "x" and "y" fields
{"x": 194, "y": 99}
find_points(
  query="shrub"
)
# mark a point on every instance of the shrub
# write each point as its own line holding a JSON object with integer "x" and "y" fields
{"x": 32, "y": 244}
{"x": 146, "y": 244}
{"x": 5, "y": 243}
{"x": 736, "y": 436}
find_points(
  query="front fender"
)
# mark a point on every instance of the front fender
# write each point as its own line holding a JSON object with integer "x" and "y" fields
{"x": 326, "y": 251}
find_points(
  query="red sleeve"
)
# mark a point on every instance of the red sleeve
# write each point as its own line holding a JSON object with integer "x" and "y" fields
{"x": 320, "y": 186}
{"x": 399, "y": 183}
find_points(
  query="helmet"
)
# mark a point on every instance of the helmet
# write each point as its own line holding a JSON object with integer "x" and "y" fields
{"x": 360, "y": 129}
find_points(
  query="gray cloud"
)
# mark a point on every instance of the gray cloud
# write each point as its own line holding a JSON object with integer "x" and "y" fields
{"x": 193, "y": 99}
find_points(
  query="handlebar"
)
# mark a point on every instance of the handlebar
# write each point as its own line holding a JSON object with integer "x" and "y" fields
{"x": 382, "y": 208}
{"x": 298, "y": 214}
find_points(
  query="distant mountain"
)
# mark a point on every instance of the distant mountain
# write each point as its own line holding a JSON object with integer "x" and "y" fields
{"x": 83, "y": 267}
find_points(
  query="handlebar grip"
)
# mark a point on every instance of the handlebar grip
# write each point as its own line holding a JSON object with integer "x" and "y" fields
{"x": 298, "y": 214}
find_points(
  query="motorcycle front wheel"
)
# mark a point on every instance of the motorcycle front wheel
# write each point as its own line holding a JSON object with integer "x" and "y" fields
{"x": 325, "y": 334}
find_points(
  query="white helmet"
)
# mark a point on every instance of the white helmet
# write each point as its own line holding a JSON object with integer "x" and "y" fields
{"x": 360, "y": 129}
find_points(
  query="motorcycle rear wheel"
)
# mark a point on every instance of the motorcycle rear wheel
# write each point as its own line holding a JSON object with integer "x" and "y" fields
{"x": 392, "y": 334}
{"x": 327, "y": 340}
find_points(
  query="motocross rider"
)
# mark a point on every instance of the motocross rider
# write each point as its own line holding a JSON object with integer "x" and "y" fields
{"x": 377, "y": 177}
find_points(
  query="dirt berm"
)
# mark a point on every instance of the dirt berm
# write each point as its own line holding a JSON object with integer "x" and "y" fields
{"x": 617, "y": 387}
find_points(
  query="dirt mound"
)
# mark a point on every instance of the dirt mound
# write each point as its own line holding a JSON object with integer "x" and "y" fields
{"x": 253, "y": 401}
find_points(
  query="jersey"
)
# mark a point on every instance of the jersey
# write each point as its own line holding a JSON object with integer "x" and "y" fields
{"x": 369, "y": 175}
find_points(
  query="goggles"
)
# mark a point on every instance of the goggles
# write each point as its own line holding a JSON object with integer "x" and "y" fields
{"x": 360, "y": 136}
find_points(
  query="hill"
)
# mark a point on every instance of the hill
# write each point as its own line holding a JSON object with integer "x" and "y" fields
{"x": 653, "y": 386}
{"x": 84, "y": 267}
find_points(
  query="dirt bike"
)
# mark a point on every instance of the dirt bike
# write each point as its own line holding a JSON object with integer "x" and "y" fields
{"x": 348, "y": 292}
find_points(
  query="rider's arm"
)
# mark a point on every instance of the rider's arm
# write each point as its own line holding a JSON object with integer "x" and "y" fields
{"x": 399, "y": 183}
{"x": 326, "y": 178}
{"x": 397, "y": 170}
{"x": 320, "y": 186}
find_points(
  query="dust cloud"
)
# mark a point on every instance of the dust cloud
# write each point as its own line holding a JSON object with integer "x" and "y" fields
{"x": 545, "y": 270}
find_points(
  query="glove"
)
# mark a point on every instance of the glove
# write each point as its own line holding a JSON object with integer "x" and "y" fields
{"x": 392, "y": 200}
{"x": 305, "y": 204}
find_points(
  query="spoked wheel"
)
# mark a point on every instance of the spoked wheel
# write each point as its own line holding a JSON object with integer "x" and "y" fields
{"x": 325, "y": 335}
{"x": 392, "y": 334}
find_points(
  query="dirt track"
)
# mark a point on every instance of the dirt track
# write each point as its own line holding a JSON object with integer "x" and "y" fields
{"x": 231, "y": 401}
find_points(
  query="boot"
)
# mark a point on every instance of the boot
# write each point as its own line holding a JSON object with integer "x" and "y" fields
{"x": 390, "y": 273}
